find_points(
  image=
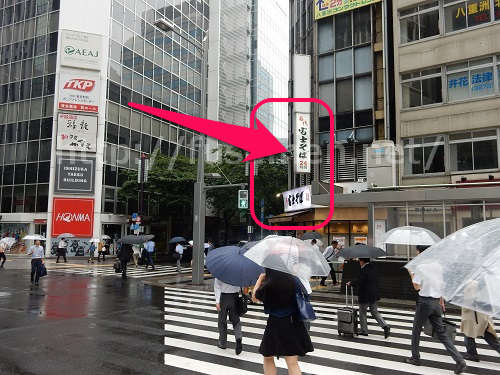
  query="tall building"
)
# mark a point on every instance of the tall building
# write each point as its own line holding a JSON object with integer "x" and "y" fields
{"x": 67, "y": 72}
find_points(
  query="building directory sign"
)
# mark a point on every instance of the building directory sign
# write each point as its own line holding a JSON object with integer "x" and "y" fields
{"x": 81, "y": 50}
{"x": 75, "y": 175}
{"x": 327, "y": 8}
{"x": 78, "y": 92}
{"x": 302, "y": 143}
{"x": 73, "y": 215}
{"x": 298, "y": 199}
{"x": 76, "y": 132}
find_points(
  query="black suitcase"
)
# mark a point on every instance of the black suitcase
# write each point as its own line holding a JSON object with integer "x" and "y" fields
{"x": 347, "y": 317}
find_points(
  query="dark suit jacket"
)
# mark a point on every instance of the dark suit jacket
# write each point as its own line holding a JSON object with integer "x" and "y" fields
{"x": 125, "y": 252}
{"x": 368, "y": 284}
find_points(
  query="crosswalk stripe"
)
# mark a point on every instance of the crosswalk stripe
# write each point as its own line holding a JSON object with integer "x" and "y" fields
{"x": 191, "y": 315}
{"x": 133, "y": 272}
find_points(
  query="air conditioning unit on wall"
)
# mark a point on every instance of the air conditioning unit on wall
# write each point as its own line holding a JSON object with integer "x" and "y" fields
{"x": 382, "y": 164}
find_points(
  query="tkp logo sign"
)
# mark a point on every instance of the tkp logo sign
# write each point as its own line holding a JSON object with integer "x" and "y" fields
{"x": 71, "y": 215}
{"x": 80, "y": 84}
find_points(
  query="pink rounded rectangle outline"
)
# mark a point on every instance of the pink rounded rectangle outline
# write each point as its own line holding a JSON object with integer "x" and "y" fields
{"x": 252, "y": 187}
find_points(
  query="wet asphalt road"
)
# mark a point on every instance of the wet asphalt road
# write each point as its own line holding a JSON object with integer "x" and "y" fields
{"x": 80, "y": 324}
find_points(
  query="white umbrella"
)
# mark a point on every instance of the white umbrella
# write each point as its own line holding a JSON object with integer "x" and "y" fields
{"x": 34, "y": 237}
{"x": 95, "y": 240}
{"x": 66, "y": 235}
{"x": 9, "y": 241}
{"x": 290, "y": 255}
{"x": 318, "y": 242}
{"x": 410, "y": 235}
{"x": 466, "y": 266}
{"x": 105, "y": 237}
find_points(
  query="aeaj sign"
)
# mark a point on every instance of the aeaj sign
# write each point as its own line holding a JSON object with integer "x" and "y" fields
{"x": 71, "y": 215}
{"x": 297, "y": 199}
{"x": 76, "y": 132}
{"x": 78, "y": 93}
{"x": 74, "y": 175}
{"x": 81, "y": 50}
{"x": 302, "y": 143}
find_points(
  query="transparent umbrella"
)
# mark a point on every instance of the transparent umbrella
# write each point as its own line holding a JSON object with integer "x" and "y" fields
{"x": 34, "y": 237}
{"x": 290, "y": 255}
{"x": 66, "y": 235}
{"x": 9, "y": 241}
{"x": 410, "y": 235}
{"x": 466, "y": 266}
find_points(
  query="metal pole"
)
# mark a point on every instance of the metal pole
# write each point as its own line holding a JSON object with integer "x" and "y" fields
{"x": 199, "y": 186}
{"x": 141, "y": 197}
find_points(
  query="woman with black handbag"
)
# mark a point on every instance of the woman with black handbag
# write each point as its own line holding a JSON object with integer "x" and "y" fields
{"x": 285, "y": 334}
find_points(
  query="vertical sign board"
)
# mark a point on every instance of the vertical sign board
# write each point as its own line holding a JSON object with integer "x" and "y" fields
{"x": 81, "y": 50}
{"x": 79, "y": 92}
{"x": 297, "y": 199}
{"x": 74, "y": 175}
{"x": 73, "y": 215}
{"x": 76, "y": 133}
{"x": 302, "y": 143}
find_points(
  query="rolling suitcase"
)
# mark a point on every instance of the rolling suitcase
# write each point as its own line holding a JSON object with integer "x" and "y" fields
{"x": 347, "y": 317}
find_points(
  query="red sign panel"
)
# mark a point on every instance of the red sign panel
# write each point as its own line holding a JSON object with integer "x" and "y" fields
{"x": 70, "y": 215}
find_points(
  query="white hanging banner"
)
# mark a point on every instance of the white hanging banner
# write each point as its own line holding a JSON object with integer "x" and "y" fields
{"x": 302, "y": 143}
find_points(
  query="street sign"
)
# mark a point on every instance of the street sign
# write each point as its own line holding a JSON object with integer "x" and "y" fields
{"x": 243, "y": 199}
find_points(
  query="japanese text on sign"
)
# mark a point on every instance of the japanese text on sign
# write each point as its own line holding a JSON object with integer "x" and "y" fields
{"x": 302, "y": 143}
{"x": 76, "y": 133}
{"x": 326, "y": 8}
{"x": 297, "y": 199}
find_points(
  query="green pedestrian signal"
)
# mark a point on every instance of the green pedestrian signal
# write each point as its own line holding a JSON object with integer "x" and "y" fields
{"x": 243, "y": 199}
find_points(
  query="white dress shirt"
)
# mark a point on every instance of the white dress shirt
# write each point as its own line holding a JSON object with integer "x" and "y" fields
{"x": 221, "y": 287}
{"x": 179, "y": 249}
{"x": 36, "y": 252}
{"x": 429, "y": 286}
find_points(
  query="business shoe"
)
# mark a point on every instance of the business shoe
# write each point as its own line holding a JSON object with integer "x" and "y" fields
{"x": 363, "y": 334}
{"x": 460, "y": 367}
{"x": 322, "y": 284}
{"x": 220, "y": 346}
{"x": 387, "y": 331}
{"x": 413, "y": 361}
{"x": 471, "y": 357}
{"x": 239, "y": 347}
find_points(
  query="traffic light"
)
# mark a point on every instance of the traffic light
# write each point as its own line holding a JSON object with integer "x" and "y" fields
{"x": 243, "y": 199}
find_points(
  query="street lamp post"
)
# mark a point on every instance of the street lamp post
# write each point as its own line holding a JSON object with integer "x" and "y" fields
{"x": 199, "y": 186}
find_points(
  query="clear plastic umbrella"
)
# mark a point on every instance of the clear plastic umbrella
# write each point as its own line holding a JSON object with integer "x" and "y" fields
{"x": 66, "y": 235}
{"x": 466, "y": 265}
{"x": 9, "y": 241}
{"x": 410, "y": 235}
{"x": 290, "y": 255}
{"x": 95, "y": 240}
{"x": 34, "y": 237}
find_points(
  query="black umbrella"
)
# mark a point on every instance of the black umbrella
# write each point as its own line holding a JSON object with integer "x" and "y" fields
{"x": 361, "y": 251}
{"x": 311, "y": 236}
{"x": 177, "y": 240}
{"x": 132, "y": 239}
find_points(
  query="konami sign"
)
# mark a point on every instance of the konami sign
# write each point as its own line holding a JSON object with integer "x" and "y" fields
{"x": 71, "y": 215}
{"x": 78, "y": 93}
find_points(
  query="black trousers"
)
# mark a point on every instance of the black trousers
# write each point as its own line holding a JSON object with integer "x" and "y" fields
{"x": 491, "y": 339}
{"x": 36, "y": 265}
{"x": 333, "y": 274}
{"x": 99, "y": 256}
{"x": 61, "y": 253}
{"x": 228, "y": 306}
{"x": 124, "y": 268}
{"x": 2, "y": 256}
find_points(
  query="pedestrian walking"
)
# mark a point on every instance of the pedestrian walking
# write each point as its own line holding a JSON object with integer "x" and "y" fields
{"x": 475, "y": 324}
{"x": 124, "y": 255}
{"x": 180, "y": 250}
{"x": 210, "y": 247}
{"x": 149, "y": 246}
{"x": 137, "y": 252}
{"x": 430, "y": 307}
{"x": 226, "y": 298}
{"x": 91, "y": 253}
{"x": 101, "y": 250}
{"x": 285, "y": 335}
{"x": 369, "y": 296}
{"x": 3, "y": 247}
{"x": 62, "y": 250}
{"x": 37, "y": 260}
{"x": 329, "y": 254}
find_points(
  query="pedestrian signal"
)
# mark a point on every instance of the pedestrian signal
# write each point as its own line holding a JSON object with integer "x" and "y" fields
{"x": 243, "y": 199}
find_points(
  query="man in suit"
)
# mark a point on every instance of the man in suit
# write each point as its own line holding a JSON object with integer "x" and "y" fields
{"x": 368, "y": 297}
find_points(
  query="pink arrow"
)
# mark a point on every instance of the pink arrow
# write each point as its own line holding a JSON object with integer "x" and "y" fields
{"x": 259, "y": 142}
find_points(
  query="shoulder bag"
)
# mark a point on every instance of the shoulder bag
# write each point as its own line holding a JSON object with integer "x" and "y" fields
{"x": 306, "y": 312}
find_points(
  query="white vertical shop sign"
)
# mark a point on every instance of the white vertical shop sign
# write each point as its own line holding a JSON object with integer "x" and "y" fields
{"x": 76, "y": 132}
{"x": 302, "y": 143}
{"x": 81, "y": 50}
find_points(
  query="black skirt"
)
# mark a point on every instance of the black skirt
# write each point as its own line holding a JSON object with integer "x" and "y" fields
{"x": 285, "y": 337}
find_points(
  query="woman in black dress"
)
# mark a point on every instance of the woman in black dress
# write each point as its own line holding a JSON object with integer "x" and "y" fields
{"x": 285, "y": 336}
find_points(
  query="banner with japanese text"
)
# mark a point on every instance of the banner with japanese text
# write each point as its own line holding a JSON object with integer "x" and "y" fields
{"x": 76, "y": 132}
{"x": 327, "y": 8}
{"x": 297, "y": 199}
{"x": 302, "y": 143}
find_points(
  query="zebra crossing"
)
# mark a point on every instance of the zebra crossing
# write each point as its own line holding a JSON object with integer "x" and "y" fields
{"x": 132, "y": 271}
{"x": 191, "y": 343}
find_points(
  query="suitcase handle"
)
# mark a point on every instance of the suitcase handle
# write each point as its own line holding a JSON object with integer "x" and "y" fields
{"x": 352, "y": 297}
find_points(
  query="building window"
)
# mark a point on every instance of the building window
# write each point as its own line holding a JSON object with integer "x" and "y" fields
{"x": 421, "y": 88}
{"x": 473, "y": 151}
{"x": 419, "y": 22}
{"x": 459, "y": 15}
{"x": 470, "y": 79}
{"x": 424, "y": 155}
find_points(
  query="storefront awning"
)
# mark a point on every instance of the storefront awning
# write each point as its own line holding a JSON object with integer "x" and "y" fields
{"x": 286, "y": 217}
